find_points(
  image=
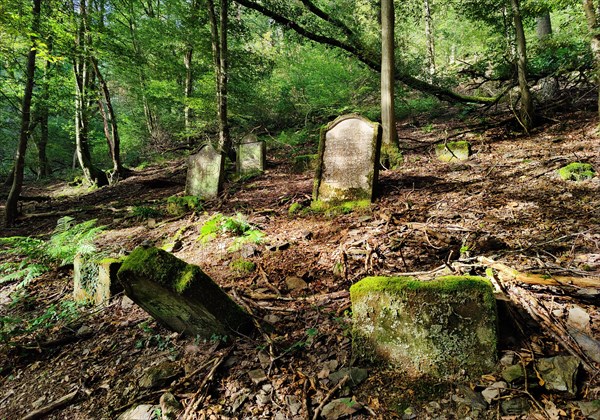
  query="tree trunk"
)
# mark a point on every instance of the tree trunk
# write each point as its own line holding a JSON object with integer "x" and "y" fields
{"x": 17, "y": 185}
{"x": 92, "y": 174}
{"x": 188, "y": 90}
{"x": 543, "y": 26}
{"x": 114, "y": 141}
{"x": 591, "y": 15}
{"x": 429, "y": 36}
{"x": 218, "y": 31}
{"x": 390, "y": 149}
{"x": 43, "y": 115}
{"x": 526, "y": 111}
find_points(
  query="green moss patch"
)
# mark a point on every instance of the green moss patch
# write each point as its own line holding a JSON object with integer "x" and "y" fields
{"x": 577, "y": 172}
{"x": 334, "y": 208}
{"x": 453, "y": 151}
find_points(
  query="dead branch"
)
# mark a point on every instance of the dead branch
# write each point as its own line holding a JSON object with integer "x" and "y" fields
{"x": 61, "y": 402}
{"x": 327, "y": 397}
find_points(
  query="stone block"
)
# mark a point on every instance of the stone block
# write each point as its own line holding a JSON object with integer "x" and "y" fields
{"x": 453, "y": 151}
{"x": 251, "y": 155}
{"x": 180, "y": 295}
{"x": 95, "y": 281}
{"x": 444, "y": 327}
{"x": 348, "y": 165}
{"x": 205, "y": 173}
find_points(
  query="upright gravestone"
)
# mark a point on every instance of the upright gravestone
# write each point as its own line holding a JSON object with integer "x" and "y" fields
{"x": 205, "y": 173}
{"x": 348, "y": 160}
{"x": 251, "y": 155}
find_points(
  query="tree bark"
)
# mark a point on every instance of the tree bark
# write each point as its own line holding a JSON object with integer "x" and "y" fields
{"x": 188, "y": 90}
{"x": 526, "y": 111}
{"x": 543, "y": 26}
{"x": 42, "y": 115}
{"x": 17, "y": 185}
{"x": 92, "y": 174}
{"x": 591, "y": 15}
{"x": 390, "y": 152}
{"x": 429, "y": 36}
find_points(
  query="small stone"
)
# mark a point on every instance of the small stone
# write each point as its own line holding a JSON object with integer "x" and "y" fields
{"x": 272, "y": 318}
{"x": 140, "y": 412}
{"x": 83, "y": 331}
{"x": 294, "y": 404}
{"x": 126, "y": 303}
{"x": 264, "y": 359}
{"x": 340, "y": 408}
{"x": 306, "y": 234}
{"x": 513, "y": 373}
{"x": 559, "y": 373}
{"x": 169, "y": 406}
{"x": 248, "y": 250}
{"x": 357, "y": 376}
{"x": 159, "y": 375}
{"x": 590, "y": 409}
{"x": 493, "y": 391}
{"x": 578, "y": 318}
{"x": 472, "y": 398}
{"x": 515, "y": 406}
{"x": 295, "y": 283}
{"x": 39, "y": 402}
{"x": 257, "y": 376}
{"x": 262, "y": 398}
{"x": 508, "y": 359}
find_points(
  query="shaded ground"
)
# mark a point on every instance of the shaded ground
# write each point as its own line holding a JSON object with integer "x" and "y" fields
{"x": 507, "y": 202}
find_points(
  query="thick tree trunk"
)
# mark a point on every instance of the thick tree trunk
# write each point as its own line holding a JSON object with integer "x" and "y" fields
{"x": 429, "y": 36}
{"x": 543, "y": 26}
{"x": 526, "y": 111}
{"x": 188, "y": 90}
{"x": 591, "y": 15}
{"x": 17, "y": 185}
{"x": 390, "y": 150}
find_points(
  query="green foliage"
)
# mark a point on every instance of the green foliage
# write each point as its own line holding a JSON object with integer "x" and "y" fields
{"x": 237, "y": 226}
{"x": 180, "y": 205}
{"x": 144, "y": 212}
{"x": 577, "y": 171}
{"x": 294, "y": 209}
{"x": 253, "y": 236}
{"x": 70, "y": 239}
{"x": 344, "y": 207}
{"x": 242, "y": 265}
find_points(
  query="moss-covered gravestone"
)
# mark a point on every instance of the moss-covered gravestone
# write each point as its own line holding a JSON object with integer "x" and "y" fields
{"x": 441, "y": 327}
{"x": 205, "y": 173}
{"x": 251, "y": 155}
{"x": 180, "y": 295}
{"x": 95, "y": 281}
{"x": 453, "y": 151}
{"x": 348, "y": 162}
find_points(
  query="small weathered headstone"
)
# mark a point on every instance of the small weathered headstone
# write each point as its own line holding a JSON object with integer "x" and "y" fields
{"x": 453, "y": 151}
{"x": 180, "y": 295}
{"x": 441, "y": 327}
{"x": 251, "y": 155}
{"x": 95, "y": 281}
{"x": 348, "y": 165}
{"x": 205, "y": 173}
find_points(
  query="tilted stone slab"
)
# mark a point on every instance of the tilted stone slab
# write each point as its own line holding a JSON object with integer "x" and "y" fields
{"x": 348, "y": 165}
{"x": 205, "y": 173}
{"x": 453, "y": 151}
{"x": 95, "y": 281}
{"x": 442, "y": 327}
{"x": 180, "y": 295}
{"x": 251, "y": 155}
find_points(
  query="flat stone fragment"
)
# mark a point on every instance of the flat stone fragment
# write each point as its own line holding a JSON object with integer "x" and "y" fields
{"x": 205, "y": 173}
{"x": 348, "y": 164}
{"x": 453, "y": 151}
{"x": 180, "y": 295}
{"x": 444, "y": 327}
{"x": 251, "y": 155}
{"x": 559, "y": 373}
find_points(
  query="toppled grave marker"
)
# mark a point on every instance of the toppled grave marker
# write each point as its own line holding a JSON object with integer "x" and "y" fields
{"x": 205, "y": 173}
{"x": 95, "y": 281}
{"x": 441, "y": 327}
{"x": 348, "y": 165}
{"x": 180, "y": 295}
{"x": 453, "y": 151}
{"x": 251, "y": 155}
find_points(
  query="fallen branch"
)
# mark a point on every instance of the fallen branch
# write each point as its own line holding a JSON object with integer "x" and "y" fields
{"x": 61, "y": 402}
{"x": 339, "y": 385}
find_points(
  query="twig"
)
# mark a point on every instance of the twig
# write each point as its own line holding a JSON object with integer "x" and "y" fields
{"x": 62, "y": 401}
{"x": 340, "y": 384}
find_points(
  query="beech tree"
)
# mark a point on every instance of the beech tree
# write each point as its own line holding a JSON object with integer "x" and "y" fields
{"x": 390, "y": 147}
{"x": 17, "y": 185}
{"x": 526, "y": 100}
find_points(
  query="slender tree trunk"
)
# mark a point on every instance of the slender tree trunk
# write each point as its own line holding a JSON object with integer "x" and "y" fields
{"x": 43, "y": 116}
{"x": 526, "y": 111}
{"x": 218, "y": 30}
{"x": 591, "y": 15}
{"x": 17, "y": 185}
{"x": 188, "y": 90}
{"x": 114, "y": 141}
{"x": 429, "y": 39}
{"x": 390, "y": 149}
{"x": 82, "y": 102}
{"x": 543, "y": 26}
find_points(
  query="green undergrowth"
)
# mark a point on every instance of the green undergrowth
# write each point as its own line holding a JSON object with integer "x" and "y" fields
{"x": 178, "y": 206}
{"x": 236, "y": 226}
{"x": 330, "y": 209}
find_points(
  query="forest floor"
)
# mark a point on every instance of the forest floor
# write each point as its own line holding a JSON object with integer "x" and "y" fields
{"x": 506, "y": 203}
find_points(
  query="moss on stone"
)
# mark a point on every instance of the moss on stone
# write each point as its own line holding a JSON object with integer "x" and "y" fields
{"x": 452, "y": 151}
{"x": 576, "y": 171}
{"x": 294, "y": 208}
{"x": 333, "y": 208}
